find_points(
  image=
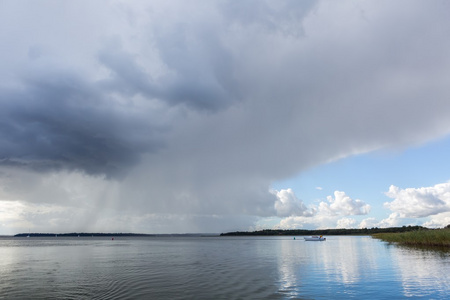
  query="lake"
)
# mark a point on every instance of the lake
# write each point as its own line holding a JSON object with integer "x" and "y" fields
{"x": 343, "y": 267}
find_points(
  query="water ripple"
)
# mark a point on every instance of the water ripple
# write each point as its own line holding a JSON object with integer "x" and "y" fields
{"x": 216, "y": 268}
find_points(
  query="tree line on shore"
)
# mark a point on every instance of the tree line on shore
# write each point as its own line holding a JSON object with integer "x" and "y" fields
{"x": 105, "y": 234}
{"x": 76, "y": 234}
{"x": 339, "y": 231}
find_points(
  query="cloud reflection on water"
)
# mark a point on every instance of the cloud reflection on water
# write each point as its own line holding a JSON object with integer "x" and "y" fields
{"x": 421, "y": 271}
{"x": 348, "y": 266}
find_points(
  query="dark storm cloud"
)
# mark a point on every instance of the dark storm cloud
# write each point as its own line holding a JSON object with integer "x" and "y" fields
{"x": 201, "y": 66}
{"x": 264, "y": 69}
{"x": 55, "y": 118}
{"x": 195, "y": 80}
{"x": 59, "y": 121}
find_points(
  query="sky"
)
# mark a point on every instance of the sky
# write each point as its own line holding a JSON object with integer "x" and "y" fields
{"x": 217, "y": 116}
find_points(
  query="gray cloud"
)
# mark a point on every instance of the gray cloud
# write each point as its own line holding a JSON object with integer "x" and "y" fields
{"x": 60, "y": 121}
{"x": 199, "y": 108}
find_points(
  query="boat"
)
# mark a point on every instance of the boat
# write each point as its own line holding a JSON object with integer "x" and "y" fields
{"x": 315, "y": 238}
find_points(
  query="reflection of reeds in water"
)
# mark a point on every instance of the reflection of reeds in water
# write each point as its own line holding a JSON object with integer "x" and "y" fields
{"x": 431, "y": 238}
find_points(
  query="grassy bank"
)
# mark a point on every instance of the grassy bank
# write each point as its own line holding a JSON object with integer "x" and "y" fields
{"x": 428, "y": 238}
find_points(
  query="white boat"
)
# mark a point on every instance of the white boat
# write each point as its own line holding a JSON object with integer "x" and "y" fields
{"x": 315, "y": 238}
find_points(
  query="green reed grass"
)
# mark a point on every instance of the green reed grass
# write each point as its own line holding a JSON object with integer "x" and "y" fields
{"x": 428, "y": 238}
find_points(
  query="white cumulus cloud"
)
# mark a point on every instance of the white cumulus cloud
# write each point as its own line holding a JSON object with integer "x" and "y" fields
{"x": 368, "y": 223}
{"x": 343, "y": 205}
{"x": 346, "y": 223}
{"x": 419, "y": 202}
{"x": 295, "y": 214}
{"x": 438, "y": 221}
{"x": 287, "y": 204}
{"x": 392, "y": 221}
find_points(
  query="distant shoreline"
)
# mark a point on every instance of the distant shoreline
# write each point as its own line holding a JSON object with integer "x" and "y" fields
{"x": 264, "y": 232}
{"x": 341, "y": 231}
{"x": 119, "y": 234}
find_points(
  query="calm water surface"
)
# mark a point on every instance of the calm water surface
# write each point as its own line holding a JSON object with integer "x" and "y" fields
{"x": 219, "y": 268}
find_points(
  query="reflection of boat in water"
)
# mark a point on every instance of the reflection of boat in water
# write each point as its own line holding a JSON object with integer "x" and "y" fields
{"x": 315, "y": 238}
